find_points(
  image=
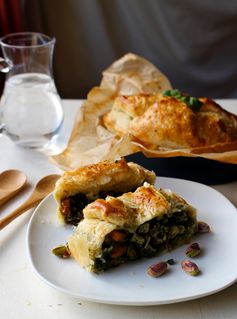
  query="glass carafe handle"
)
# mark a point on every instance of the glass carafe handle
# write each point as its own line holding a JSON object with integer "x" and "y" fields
{"x": 1, "y": 128}
{"x": 4, "y": 66}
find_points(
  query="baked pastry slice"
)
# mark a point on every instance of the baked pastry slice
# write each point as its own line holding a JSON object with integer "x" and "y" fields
{"x": 75, "y": 189}
{"x": 134, "y": 225}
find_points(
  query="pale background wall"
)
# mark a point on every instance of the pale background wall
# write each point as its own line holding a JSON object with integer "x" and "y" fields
{"x": 192, "y": 42}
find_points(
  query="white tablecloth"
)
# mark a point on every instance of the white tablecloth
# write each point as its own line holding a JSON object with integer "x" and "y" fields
{"x": 23, "y": 295}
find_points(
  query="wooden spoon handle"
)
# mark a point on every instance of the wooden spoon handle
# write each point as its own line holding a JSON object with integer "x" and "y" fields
{"x": 17, "y": 212}
{"x": 3, "y": 196}
{"x": 6, "y": 195}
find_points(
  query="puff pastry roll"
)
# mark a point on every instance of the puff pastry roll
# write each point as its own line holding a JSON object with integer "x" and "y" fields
{"x": 75, "y": 189}
{"x": 134, "y": 225}
{"x": 171, "y": 120}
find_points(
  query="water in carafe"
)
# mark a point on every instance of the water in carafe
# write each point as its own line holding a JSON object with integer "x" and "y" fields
{"x": 31, "y": 96}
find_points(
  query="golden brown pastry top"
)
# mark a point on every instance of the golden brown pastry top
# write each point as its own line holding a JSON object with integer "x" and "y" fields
{"x": 167, "y": 122}
{"x": 135, "y": 208}
{"x": 125, "y": 109}
{"x": 117, "y": 176}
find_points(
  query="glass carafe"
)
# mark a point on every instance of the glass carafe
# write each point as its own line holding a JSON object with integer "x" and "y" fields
{"x": 31, "y": 112}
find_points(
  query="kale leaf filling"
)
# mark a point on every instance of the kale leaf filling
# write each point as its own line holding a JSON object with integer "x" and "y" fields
{"x": 151, "y": 238}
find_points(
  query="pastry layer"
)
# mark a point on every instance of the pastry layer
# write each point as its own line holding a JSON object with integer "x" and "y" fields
{"x": 75, "y": 189}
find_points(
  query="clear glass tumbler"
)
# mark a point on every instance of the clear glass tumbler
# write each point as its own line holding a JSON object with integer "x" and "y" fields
{"x": 31, "y": 112}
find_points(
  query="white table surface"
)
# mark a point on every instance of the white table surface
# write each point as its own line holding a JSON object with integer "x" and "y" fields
{"x": 23, "y": 295}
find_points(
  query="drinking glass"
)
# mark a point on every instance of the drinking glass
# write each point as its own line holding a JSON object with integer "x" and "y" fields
{"x": 31, "y": 112}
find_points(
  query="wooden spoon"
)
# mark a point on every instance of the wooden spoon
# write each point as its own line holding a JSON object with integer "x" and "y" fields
{"x": 11, "y": 182}
{"x": 42, "y": 189}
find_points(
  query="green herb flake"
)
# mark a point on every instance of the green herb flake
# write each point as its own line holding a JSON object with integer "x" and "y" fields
{"x": 190, "y": 101}
{"x": 167, "y": 93}
{"x": 171, "y": 261}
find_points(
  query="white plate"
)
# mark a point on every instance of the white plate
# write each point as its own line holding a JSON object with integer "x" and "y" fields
{"x": 129, "y": 284}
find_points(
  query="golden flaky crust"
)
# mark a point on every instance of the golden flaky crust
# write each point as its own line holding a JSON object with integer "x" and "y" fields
{"x": 131, "y": 209}
{"x": 166, "y": 122}
{"x": 127, "y": 212}
{"x": 126, "y": 108}
{"x": 117, "y": 176}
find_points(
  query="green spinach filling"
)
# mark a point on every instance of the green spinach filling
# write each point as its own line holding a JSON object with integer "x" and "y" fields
{"x": 72, "y": 206}
{"x": 151, "y": 238}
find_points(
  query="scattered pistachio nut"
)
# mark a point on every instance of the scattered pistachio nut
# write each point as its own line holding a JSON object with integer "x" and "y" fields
{"x": 156, "y": 270}
{"x": 190, "y": 267}
{"x": 203, "y": 227}
{"x": 193, "y": 250}
{"x": 61, "y": 251}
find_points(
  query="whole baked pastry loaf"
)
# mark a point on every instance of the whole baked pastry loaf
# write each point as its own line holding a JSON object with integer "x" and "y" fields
{"x": 134, "y": 225}
{"x": 171, "y": 120}
{"x": 75, "y": 189}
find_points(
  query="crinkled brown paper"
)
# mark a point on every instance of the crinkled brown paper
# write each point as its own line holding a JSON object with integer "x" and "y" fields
{"x": 90, "y": 142}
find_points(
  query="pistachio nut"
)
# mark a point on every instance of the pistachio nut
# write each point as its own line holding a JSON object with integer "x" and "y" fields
{"x": 190, "y": 267}
{"x": 203, "y": 227}
{"x": 193, "y": 250}
{"x": 61, "y": 251}
{"x": 156, "y": 270}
